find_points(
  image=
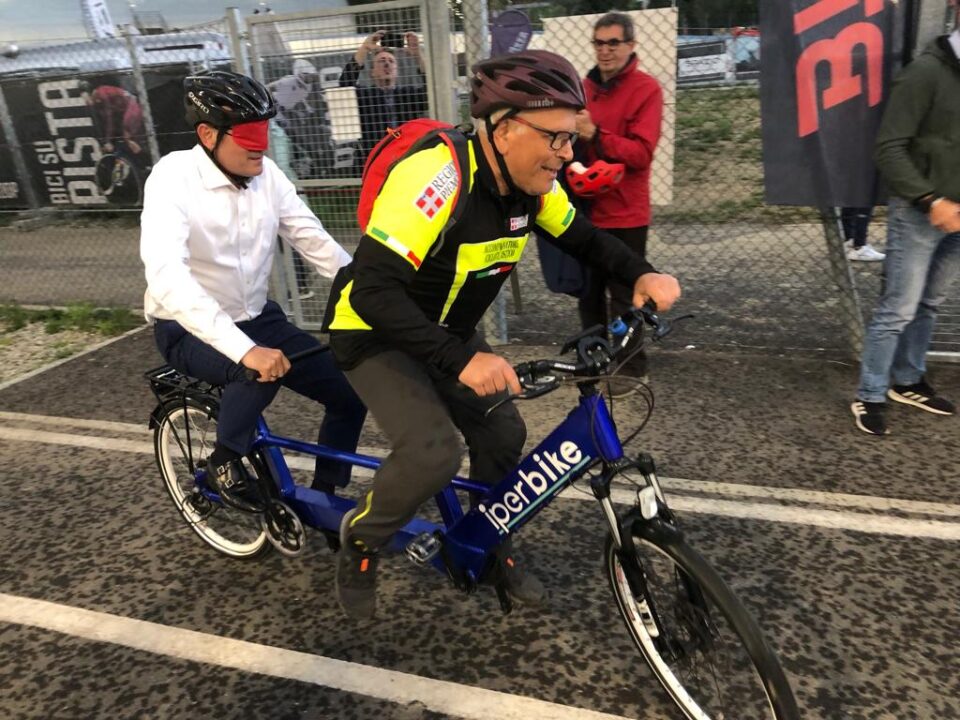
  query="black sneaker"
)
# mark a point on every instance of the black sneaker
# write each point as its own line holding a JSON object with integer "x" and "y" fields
{"x": 869, "y": 417}
{"x": 356, "y": 577}
{"x": 235, "y": 487}
{"x": 522, "y": 587}
{"x": 922, "y": 396}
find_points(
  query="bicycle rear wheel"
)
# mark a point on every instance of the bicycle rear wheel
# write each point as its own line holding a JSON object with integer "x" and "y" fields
{"x": 696, "y": 636}
{"x": 184, "y": 437}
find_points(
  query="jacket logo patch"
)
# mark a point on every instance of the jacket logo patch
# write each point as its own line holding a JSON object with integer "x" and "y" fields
{"x": 430, "y": 202}
{"x": 438, "y": 191}
{"x": 518, "y": 223}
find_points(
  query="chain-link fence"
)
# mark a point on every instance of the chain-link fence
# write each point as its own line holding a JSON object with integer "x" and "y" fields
{"x": 77, "y": 136}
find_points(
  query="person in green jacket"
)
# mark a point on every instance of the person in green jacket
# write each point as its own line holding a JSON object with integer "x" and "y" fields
{"x": 918, "y": 154}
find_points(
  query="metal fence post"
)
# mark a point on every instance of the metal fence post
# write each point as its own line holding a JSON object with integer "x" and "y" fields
{"x": 442, "y": 81}
{"x": 141, "y": 87}
{"x": 17, "y": 152}
{"x": 476, "y": 34}
{"x": 238, "y": 41}
{"x": 933, "y": 20}
{"x": 283, "y": 277}
{"x": 476, "y": 45}
{"x": 842, "y": 275}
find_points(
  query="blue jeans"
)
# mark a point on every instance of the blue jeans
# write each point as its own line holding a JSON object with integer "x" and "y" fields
{"x": 921, "y": 264}
{"x": 316, "y": 377}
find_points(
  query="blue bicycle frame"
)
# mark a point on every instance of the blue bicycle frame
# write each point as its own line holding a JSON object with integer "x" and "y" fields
{"x": 587, "y": 436}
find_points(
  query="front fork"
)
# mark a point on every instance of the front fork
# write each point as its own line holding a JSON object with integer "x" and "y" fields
{"x": 649, "y": 516}
{"x": 651, "y": 502}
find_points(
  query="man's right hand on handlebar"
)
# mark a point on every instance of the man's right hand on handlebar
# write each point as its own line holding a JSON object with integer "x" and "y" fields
{"x": 489, "y": 374}
{"x": 270, "y": 363}
{"x": 663, "y": 289}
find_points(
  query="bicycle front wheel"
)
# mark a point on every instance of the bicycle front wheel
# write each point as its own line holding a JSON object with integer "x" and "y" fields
{"x": 696, "y": 636}
{"x": 183, "y": 438}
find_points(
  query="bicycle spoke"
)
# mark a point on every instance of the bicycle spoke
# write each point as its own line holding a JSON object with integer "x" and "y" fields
{"x": 226, "y": 529}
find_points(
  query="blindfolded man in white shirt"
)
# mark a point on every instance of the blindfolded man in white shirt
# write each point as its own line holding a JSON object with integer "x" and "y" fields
{"x": 210, "y": 220}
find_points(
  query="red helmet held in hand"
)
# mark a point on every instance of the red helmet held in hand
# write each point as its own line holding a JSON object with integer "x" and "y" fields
{"x": 595, "y": 180}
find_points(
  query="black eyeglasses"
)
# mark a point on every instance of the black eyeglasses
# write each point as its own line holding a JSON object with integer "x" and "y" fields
{"x": 612, "y": 44}
{"x": 558, "y": 138}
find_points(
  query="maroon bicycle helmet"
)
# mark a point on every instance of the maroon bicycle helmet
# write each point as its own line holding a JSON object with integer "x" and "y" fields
{"x": 529, "y": 80}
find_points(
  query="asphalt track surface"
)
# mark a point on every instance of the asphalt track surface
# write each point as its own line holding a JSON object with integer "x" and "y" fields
{"x": 843, "y": 546}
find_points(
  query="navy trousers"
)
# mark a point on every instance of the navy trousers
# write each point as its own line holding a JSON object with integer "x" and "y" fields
{"x": 316, "y": 377}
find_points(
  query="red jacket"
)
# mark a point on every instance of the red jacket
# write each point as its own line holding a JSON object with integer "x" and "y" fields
{"x": 627, "y": 111}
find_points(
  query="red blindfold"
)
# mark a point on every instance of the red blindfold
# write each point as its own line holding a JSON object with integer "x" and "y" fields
{"x": 252, "y": 136}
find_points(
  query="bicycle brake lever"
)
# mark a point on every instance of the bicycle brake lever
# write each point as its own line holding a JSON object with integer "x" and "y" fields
{"x": 665, "y": 327}
{"x": 529, "y": 393}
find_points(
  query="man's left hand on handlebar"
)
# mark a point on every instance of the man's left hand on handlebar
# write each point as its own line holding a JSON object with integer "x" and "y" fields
{"x": 489, "y": 374}
{"x": 663, "y": 289}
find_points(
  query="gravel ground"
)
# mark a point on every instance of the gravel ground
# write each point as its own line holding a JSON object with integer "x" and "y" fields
{"x": 32, "y": 347}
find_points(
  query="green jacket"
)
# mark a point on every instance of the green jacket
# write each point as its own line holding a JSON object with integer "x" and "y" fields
{"x": 918, "y": 144}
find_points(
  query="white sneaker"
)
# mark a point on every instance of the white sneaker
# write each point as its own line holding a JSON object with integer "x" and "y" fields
{"x": 864, "y": 253}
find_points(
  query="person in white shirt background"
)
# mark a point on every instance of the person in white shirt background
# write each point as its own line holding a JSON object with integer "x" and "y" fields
{"x": 211, "y": 216}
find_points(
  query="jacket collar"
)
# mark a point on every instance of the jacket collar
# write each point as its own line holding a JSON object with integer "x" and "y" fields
{"x": 595, "y": 77}
{"x": 485, "y": 176}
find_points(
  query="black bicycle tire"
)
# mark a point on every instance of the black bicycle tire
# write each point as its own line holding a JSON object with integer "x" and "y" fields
{"x": 764, "y": 659}
{"x": 162, "y": 418}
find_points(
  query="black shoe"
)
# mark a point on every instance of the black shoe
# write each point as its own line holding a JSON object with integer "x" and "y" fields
{"x": 922, "y": 396}
{"x": 869, "y": 417}
{"x": 522, "y": 587}
{"x": 235, "y": 487}
{"x": 356, "y": 577}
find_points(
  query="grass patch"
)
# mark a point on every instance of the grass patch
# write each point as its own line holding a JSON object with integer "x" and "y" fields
{"x": 83, "y": 317}
{"x": 63, "y": 350}
{"x": 718, "y": 163}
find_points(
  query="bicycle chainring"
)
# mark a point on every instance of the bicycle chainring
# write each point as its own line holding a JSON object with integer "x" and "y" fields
{"x": 283, "y": 528}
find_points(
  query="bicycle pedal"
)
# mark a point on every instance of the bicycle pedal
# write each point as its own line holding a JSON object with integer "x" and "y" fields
{"x": 423, "y": 548}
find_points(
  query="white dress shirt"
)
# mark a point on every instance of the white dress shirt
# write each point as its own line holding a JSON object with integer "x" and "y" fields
{"x": 208, "y": 246}
{"x": 955, "y": 42}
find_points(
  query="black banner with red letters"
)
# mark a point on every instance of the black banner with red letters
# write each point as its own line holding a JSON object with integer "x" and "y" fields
{"x": 825, "y": 76}
{"x": 83, "y": 137}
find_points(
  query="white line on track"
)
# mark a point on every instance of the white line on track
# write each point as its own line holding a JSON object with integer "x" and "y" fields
{"x": 833, "y": 519}
{"x": 731, "y": 490}
{"x": 397, "y": 687}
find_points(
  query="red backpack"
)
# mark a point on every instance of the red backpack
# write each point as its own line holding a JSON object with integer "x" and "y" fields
{"x": 402, "y": 142}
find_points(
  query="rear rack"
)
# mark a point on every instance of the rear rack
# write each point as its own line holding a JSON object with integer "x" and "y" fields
{"x": 168, "y": 383}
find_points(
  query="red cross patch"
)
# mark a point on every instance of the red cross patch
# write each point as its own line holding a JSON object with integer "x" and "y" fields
{"x": 430, "y": 202}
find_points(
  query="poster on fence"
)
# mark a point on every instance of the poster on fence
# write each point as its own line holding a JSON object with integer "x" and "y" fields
{"x": 825, "y": 77}
{"x": 11, "y": 194}
{"x": 83, "y": 137}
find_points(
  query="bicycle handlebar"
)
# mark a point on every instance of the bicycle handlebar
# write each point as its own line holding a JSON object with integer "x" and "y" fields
{"x": 251, "y": 374}
{"x": 594, "y": 352}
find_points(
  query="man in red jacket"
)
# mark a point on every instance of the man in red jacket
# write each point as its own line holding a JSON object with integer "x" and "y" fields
{"x": 621, "y": 124}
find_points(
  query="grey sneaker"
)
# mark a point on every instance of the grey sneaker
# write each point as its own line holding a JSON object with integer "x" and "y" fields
{"x": 923, "y": 396}
{"x": 522, "y": 587}
{"x": 356, "y": 578}
{"x": 869, "y": 417}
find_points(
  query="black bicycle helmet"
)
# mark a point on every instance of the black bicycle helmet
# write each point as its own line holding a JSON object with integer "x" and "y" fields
{"x": 223, "y": 99}
{"x": 529, "y": 80}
